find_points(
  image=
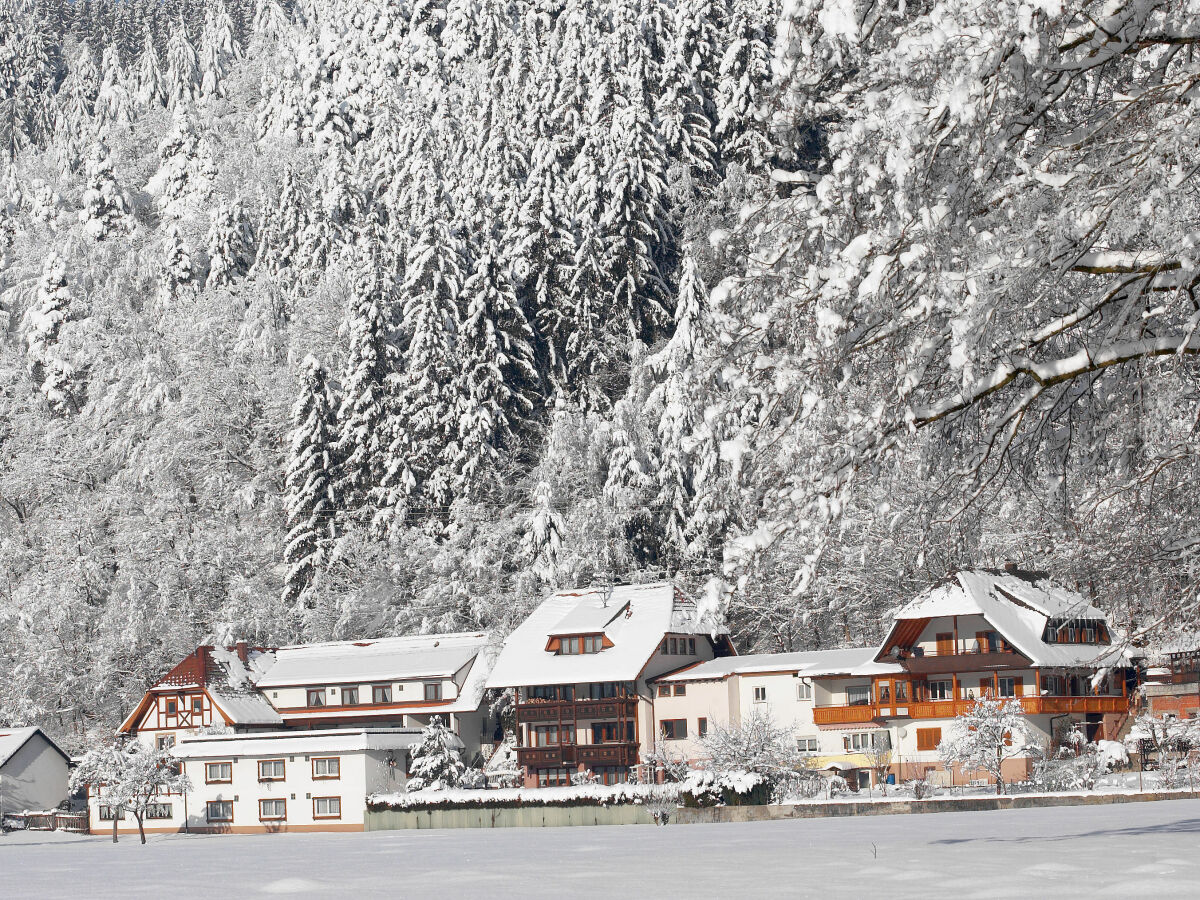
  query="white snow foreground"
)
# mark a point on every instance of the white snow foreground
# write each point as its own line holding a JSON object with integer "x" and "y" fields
{"x": 1121, "y": 851}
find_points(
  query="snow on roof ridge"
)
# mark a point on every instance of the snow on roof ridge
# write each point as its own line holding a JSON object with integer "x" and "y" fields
{"x": 366, "y": 642}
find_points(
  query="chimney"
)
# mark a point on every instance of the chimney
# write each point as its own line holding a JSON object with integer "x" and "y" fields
{"x": 241, "y": 652}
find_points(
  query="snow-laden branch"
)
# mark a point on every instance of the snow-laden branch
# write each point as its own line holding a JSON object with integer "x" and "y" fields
{"x": 1056, "y": 371}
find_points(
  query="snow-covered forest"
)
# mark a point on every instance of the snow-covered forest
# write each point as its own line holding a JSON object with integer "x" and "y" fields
{"x": 341, "y": 318}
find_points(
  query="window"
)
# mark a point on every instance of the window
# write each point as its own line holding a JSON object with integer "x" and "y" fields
{"x": 928, "y": 738}
{"x": 197, "y": 704}
{"x": 885, "y": 693}
{"x": 172, "y": 707}
{"x": 568, "y": 646}
{"x": 901, "y": 691}
{"x": 108, "y": 813}
{"x": 859, "y": 695}
{"x": 433, "y": 690}
{"x": 680, "y": 690}
{"x": 158, "y": 811}
{"x": 673, "y": 729}
{"x": 945, "y": 643}
{"x": 218, "y": 772}
{"x": 604, "y": 690}
{"x": 691, "y": 646}
{"x": 350, "y": 696}
{"x": 760, "y": 694}
{"x": 702, "y": 728}
{"x": 593, "y": 644}
{"x": 553, "y": 777}
{"x": 381, "y": 693}
{"x": 606, "y": 732}
{"x": 327, "y": 807}
{"x": 165, "y": 741}
{"x": 272, "y": 809}
{"x": 674, "y": 646}
{"x": 1008, "y": 687}
{"x": 807, "y": 745}
{"x": 859, "y": 740}
{"x": 219, "y": 810}
{"x": 270, "y": 770}
{"x": 552, "y": 735}
{"x": 941, "y": 690}
{"x": 664, "y": 690}
{"x": 327, "y": 767}
{"x": 316, "y": 696}
{"x": 803, "y": 690}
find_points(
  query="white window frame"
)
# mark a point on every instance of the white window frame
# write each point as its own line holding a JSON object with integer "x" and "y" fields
{"x": 760, "y": 693}
{"x": 804, "y": 690}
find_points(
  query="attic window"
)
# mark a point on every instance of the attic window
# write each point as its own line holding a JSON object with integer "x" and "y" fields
{"x": 1075, "y": 631}
{"x": 577, "y": 644}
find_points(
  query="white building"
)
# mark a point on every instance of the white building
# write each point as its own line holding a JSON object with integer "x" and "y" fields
{"x": 34, "y": 771}
{"x": 356, "y": 706}
{"x": 581, "y": 665}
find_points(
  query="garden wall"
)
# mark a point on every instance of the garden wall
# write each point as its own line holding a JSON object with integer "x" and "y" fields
{"x": 521, "y": 817}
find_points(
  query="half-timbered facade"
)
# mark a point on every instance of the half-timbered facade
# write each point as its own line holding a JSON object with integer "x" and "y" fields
{"x": 581, "y": 665}
{"x": 221, "y": 709}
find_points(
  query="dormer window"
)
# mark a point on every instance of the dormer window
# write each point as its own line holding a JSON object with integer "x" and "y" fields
{"x": 583, "y": 643}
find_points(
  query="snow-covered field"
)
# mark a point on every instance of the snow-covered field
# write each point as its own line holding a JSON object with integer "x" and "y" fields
{"x": 1126, "y": 851}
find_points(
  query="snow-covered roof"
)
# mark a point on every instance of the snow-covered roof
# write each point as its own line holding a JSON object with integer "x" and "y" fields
{"x": 810, "y": 663}
{"x": 634, "y": 617}
{"x": 334, "y": 740}
{"x": 384, "y": 659}
{"x": 13, "y": 739}
{"x": 1018, "y": 605}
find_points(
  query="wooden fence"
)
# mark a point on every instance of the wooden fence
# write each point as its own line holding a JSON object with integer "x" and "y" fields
{"x": 76, "y": 823}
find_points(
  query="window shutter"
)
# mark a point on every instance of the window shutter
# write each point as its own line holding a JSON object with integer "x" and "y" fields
{"x": 1018, "y": 686}
{"x": 985, "y": 687}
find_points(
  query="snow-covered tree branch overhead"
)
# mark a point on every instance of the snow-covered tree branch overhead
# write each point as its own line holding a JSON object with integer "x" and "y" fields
{"x": 994, "y": 239}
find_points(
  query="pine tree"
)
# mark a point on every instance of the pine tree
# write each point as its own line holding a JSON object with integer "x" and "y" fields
{"x": 105, "y": 208}
{"x": 370, "y": 360}
{"x": 52, "y": 376}
{"x": 113, "y": 101}
{"x": 436, "y": 763}
{"x": 283, "y": 225}
{"x": 312, "y": 500}
{"x": 230, "y": 245}
{"x": 149, "y": 83}
{"x": 424, "y": 449}
{"x": 182, "y": 81}
{"x": 498, "y": 368}
{"x": 177, "y": 271}
{"x": 743, "y": 79}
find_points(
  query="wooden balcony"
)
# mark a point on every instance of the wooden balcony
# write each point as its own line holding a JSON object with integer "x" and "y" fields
{"x": 620, "y": 753}
{"x": 845, "y": 715}
{"x": 964, "y": 661}
{"x": 572, "y": 710}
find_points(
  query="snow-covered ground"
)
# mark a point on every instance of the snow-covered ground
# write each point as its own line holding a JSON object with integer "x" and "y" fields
{"x": 1125, "y": 851}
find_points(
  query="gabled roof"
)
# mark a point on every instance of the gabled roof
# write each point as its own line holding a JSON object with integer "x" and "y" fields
{"x": 13, "y": 739}
{"x": 808, "y": 664}
{"x": 227, "y": 678}
{"x": 634, "y": 617}
{"x": 384, "y": 659}
{"x": 1018, "y": 605}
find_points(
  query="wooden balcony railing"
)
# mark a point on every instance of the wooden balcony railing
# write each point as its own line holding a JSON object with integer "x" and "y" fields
{"x": 621, "y": 753}
{"x": 571, "y": 710}
{"x": 948, "y": 709}
{"x": 845, "y": 715}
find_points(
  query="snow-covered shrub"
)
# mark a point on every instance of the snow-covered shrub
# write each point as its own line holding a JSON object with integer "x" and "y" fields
{"x": 584, "y": 777}
{"x": 837, "y": 785}
{"x": 920, "y": 788}
{"x": 473, "y": 780}
{"x": 707, "y": 788}
{"x": 436, "y": 763}
{"x": 989, "y": 733}
{"x": 800, "y": 785}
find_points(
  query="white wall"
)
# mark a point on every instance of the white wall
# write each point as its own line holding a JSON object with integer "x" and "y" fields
{"x": 34, "y": 778}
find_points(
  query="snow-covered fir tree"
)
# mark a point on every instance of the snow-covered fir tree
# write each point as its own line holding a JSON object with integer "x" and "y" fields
{"x": 435, "y": 763}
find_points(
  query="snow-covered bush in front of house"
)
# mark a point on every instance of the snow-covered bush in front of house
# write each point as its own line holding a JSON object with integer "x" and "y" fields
{"x": 990, "y": 732}
{"x": 508, "y": 798}
{"x": 585, "y": 777}
{"x": 473, "y": 780}
{"x": 436, "y": 763}
{"x": 920, "y": 788}
{"x": 1077, "y": 765}
{"x": 704, "y": 787}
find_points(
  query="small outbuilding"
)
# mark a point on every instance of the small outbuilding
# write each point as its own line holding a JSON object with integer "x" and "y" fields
{"x": 34, "y": 771}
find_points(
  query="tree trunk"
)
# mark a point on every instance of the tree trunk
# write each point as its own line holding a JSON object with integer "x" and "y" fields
{"x": 114, "y": 814}
{"x": 141, "y": 830}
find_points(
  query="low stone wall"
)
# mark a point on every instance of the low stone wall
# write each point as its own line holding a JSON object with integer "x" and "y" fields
{"x": 907, "y": 807}
{"x": 519, "y": 817}
{"x": 635, "y": 814}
